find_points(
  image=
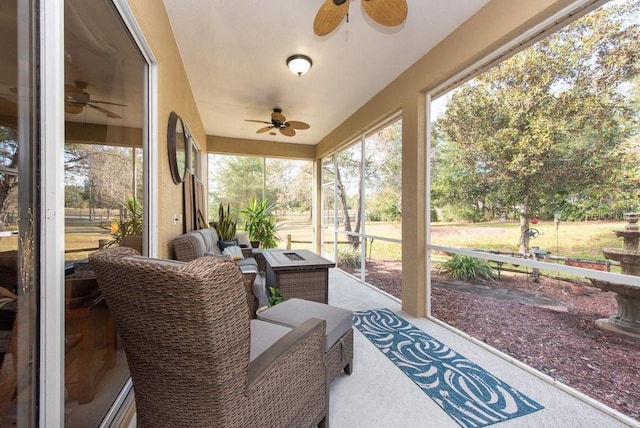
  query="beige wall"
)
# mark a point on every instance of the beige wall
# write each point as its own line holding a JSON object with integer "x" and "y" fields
{"x": 174, "y": 94}
{"x": 236, "y": 146}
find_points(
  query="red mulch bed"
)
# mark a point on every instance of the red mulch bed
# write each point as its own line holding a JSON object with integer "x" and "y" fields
{"x": 567, "y": 346}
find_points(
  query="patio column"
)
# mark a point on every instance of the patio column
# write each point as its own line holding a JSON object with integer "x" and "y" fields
{"x": 413, "y": 205}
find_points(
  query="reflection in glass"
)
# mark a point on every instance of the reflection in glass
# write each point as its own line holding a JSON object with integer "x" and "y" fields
{"x": 104, "y": 170}
{"x": 18, "y": 241}
{"x": 181, "y": 148}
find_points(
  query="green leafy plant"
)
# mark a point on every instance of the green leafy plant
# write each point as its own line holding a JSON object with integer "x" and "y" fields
{"x": 129, "y": 224}
{"x": 465, "y": 267}
{"x": 348, "y": 256}
{"x": 275, "y": 296}
{"x": 226, "y": 225}
{"x": 260, "y": 223}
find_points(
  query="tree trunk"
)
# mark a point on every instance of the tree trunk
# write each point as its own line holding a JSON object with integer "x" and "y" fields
{"x": 346, "y": 220}
{"x": 524, "y": 226}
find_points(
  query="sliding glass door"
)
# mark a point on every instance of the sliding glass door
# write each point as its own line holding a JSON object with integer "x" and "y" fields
{"x": 19, "y": 211}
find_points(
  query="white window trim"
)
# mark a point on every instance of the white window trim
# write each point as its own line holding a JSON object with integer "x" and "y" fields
{"x": 51, "y": 355}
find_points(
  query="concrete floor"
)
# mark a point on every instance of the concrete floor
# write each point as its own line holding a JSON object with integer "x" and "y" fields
{"x": 378, "y": 394}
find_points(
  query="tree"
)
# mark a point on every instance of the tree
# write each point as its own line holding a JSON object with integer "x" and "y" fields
{"x": 383, "y": 173}
{"x": 234, "y": 180}
{"x": 347, "y": 176}
{"x": 382, "y": 176}
{"x": 542, "y": 125}
{"x": 105, "y": 172}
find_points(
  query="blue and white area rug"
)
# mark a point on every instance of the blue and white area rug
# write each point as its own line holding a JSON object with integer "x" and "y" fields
{"x": 472, "y": 396}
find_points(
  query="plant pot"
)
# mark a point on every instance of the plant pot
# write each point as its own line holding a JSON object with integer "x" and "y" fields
{"x": 255, "y": 244}
{"x": 132, "y": 241}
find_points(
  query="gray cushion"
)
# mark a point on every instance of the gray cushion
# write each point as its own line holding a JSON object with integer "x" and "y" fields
{"x": 210, "y": 237}
{"x": 294, "y": 312}
{"x": 196, "y": 247}
{"x": 263, "y": 335}
{"x": 249, "y": 265}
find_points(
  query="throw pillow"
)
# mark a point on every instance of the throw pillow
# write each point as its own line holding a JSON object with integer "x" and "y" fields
{"x": 224, "y": 244}
{"x": 234, "y": 252}
{"x": 243, "y": 239}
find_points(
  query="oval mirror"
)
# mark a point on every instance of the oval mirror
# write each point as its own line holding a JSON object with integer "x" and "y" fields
{"x": 177, "y": 146}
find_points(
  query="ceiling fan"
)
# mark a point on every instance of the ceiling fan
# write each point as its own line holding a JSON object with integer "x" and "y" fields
{"x": 385, "y": 12}
{"x": 76, "y": 99}
{"x": 279, "y": 122}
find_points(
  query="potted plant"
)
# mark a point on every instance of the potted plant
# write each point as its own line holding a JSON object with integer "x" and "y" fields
{"x": 275, "y": 296}
{"x": 226, "y": 224}
{"x": 260, "y": 223}
{"x": 127, "y": 230}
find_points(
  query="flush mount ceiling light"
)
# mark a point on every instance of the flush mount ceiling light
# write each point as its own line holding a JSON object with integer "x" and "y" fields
{"x": 299, "y": 64}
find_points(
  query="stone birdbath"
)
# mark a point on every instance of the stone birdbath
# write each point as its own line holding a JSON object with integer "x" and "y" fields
{"x": 627, "y": 321}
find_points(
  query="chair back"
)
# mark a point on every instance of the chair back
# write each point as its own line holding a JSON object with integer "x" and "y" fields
{"x": 185, "y": 333}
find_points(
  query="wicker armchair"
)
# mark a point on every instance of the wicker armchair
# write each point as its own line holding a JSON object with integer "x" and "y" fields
{"x": 190, "y": 348}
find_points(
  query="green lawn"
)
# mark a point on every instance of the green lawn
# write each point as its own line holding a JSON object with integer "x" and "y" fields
{"x": 572, "y": 239}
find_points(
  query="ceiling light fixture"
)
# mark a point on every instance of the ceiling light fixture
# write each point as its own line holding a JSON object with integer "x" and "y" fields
{"x": 299, "y": 64}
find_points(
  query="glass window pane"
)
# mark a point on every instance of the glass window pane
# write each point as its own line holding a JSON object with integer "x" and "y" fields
{"x": 289, "y": 186}
{"x": 383, "y": 180}
{"x": 348, "y": 173}
{"x": 19, "y": 237}
{"x": 283, "y": 185}
{"x": 105, "y": 115}
{"x": 534, "y": 167}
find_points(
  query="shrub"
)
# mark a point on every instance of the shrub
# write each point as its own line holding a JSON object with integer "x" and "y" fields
{"x": 465, "y": 267}
{"x": 348, "y": 256}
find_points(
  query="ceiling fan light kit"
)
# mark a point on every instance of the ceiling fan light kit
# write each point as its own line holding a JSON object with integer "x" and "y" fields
{"x": 299, "y": 64}
{"x": 280, "y": 122}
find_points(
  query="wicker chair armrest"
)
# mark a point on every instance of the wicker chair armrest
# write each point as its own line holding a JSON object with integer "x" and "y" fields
{"x": 308, "y": 334}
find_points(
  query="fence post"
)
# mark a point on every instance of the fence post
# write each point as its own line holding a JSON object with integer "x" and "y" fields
{"x": 288, "y": 242}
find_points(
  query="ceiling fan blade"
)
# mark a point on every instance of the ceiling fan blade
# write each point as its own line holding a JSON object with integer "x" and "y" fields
{"x": 288, "y": 131}
{"x": 278, "y": 116}
{"x": 108, "y": 102}
{"x": 329, "y": 17}
{"x": 297, "y": 125}
{"x": 263, "y": 130}
{"x": 72, "y": 108}
{"x": 386, "y": 12}
{"x": 257, "y": 121}
{"x": 105, "y": 111}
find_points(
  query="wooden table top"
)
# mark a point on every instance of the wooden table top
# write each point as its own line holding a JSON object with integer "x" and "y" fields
{"x": 295, "y": 260}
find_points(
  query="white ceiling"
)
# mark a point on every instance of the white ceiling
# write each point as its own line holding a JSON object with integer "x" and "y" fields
{"x": 235, "y": 52}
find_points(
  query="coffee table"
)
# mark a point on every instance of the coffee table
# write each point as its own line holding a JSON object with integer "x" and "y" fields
{"x": 298, "y": 273}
